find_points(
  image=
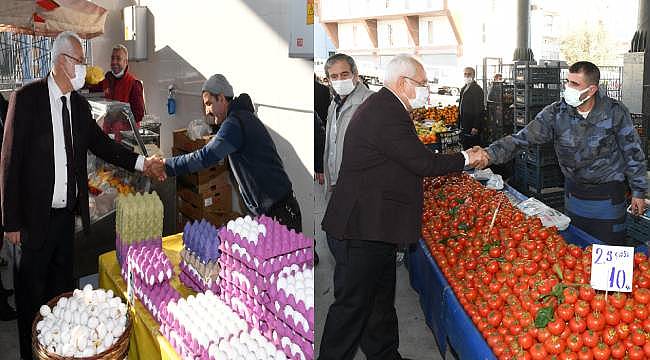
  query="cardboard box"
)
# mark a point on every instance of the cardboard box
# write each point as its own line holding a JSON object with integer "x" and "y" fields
{"x": 216, "y": 219}
{"x": 218, "y": 201}
{"x": 205, "y": 175}
{"x": 205, "y": 189}
{"x": 183, "y": 142}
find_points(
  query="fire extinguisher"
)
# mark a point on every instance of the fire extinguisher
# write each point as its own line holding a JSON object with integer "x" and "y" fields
{"x": 171, "y": 101}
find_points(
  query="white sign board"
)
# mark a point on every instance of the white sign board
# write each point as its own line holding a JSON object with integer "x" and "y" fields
{"x": 611, "y": 268}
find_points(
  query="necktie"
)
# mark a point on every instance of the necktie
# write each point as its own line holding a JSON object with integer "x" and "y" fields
{"x": 71, "y": 199}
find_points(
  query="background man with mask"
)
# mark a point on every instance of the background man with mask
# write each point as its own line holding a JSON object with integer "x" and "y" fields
{"x": 44, "y": 180}
{"x": 598, "y": 149}
{"x": 119, "y": 84}
{"x": 376, "y": 206}
{"x": 254, "y": 161}
{"x": 470, "y": 110}
{"x": 349, "y": 93}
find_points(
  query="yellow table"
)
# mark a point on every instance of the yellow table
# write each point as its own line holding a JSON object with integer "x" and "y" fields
{"x": 147, "y": 343}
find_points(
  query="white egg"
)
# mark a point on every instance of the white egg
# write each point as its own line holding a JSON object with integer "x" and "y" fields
{"x": 109, "y": 294}
{"x": 101, "y": 331}
{"x": 45, "y": 310}
{"x": 117, "y": 331}
{"x": 88, "y": 288}
{"x": 93, "y": 322}
{"x": 108, "y": 341}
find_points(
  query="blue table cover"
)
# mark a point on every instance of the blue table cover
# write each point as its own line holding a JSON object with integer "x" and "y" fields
{"x": 443, "y": 312}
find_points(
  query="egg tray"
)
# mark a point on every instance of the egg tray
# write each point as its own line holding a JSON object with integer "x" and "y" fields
{"x": 278, "y": 240}
{"x": 205, "y": 269}
{"x": 247, "y": 307}
{"x": 190, "y": 278}
{"x": 278, "y": 329}
{"x": 143, "y": 264}
{"x": 122, "y": 248}
{"x": 278, "y": 307}
{"x": 244, "y": 277}
{"x": 119, "y": 350}
{"x": 150, "y": 296}
{"x": 201, "y": 238}
{"x": 271, "y": 265}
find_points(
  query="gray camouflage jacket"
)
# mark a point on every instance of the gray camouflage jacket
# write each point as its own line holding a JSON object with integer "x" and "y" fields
{"x": 603, "y": 147}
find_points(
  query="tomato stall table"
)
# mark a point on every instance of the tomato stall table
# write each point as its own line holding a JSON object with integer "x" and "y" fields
{"x": 443, "y": 312}
{"x": 147, "y": 343}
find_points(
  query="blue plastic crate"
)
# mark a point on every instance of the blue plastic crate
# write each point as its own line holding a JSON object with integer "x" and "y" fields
{"x": 638, "y": 227}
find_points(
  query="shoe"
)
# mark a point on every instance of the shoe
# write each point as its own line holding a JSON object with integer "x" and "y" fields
{"x": 7, "y": 313}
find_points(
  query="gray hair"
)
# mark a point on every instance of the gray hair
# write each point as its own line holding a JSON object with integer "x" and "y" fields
{"x": 471, "y": 69}
{"x": 401, "y": 65}
{"x": 63, "y": 44}
{"x": 122, "y": 48}
{"x": 340, "y": 57}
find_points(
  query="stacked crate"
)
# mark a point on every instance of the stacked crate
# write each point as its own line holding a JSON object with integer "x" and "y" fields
{"x": 641, "y": 123}
{"x": 536, "y": 171}
{"x": 203, "y": 195}
{"x": 499, "y": 112}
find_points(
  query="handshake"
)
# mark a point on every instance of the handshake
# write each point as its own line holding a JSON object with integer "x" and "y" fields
{"x": 154, "y": 167}
{"x": 478, "y": 157}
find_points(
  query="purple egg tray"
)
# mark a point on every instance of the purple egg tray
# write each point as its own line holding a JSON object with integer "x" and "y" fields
{"x": 122, "y": 248}
{"x": 278, "y": 240}
{"x": 150, "y": 263}
{"x": 278, "y": 329}
{"x": 200, "y": 237}
{"x": 280, "y": 302}
{"x": 244, "y": 305}
{"x": 156, "y": 297}
{"x": 183, "y": 342}
{"x": 252, "y": 282}
{"x": 271, "y": 265}
{"x": 191, "y": 278}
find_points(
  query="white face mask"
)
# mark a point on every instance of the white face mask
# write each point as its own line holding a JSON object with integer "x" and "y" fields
{"x": 468, "y": 80}
{"x": 343, "y": 87}
{"x": 572, "y": 96}
{"x": 79, "y": 77}
{"x": 421, "y": 97}
{"x": 119, "y": 74}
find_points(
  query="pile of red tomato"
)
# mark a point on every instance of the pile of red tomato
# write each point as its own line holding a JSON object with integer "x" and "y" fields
{"x": 527, "y": 290}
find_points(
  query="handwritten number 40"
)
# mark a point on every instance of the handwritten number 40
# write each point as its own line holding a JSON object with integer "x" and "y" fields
{"x": 620, "y": 278}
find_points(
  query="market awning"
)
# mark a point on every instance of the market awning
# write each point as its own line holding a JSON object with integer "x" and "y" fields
{"x": 50, "y": 17}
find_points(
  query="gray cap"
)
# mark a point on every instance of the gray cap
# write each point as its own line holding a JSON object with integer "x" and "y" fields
{"x": 217, "y": 84}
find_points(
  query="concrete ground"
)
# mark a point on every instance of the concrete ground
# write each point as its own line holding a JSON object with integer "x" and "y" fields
{"x": 416, "y": 339}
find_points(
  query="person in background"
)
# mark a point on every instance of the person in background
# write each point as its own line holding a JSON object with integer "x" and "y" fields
{"x": 598, "y": 149}
{"x": 44, "y": 180}
{"x": 254, "y": 161}
{"x": 376, "y": 206}
{"x": 119, "y": 84}
{"x": 349, "y": 92}
{"x": 498, "y": 78}
{"x": 322, "y": 98}
{"x": 7, "y": 313}
{"x": 470, "y": 110}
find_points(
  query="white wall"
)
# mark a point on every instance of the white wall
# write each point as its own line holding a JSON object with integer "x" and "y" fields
{"x": 247, "y": 41}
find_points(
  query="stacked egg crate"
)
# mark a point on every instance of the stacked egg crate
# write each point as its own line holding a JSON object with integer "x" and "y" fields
{"x": 138, "y": 219}
{"x": 151, "y": 274}
{"x": 258, "y": 257}
{"x": 199, "y": 265}
{"x": 204, "y": 327}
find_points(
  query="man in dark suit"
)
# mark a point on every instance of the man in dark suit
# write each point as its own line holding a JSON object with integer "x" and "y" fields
{"x": 377, "y": 206}
{"x": 43, "y": 179}
{"x": 470, "y": 110}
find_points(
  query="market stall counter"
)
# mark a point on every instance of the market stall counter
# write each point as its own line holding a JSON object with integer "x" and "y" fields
{"x": 146, "y": 340}
{"x": 445, "y": 316}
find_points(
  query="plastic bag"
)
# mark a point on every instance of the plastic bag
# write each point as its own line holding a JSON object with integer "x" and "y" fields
{"x": 549, "y": 216}
{"x": 197, "y": 129}
{"x": 495, "y": 182}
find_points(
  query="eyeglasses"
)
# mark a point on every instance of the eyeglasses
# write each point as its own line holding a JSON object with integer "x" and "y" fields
{"x": 423, "y": 83}
{"x": 76, "y": 61}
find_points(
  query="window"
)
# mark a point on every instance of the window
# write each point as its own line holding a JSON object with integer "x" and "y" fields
{"x": 354, "y": 36}
{"x": 391, "y": 43}
{"x": 430, "y": 32}
{"x": 548, "y": 23}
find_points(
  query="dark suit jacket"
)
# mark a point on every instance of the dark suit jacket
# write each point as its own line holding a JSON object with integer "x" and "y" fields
{"x": 27, "y": 165}
{"x": 319, "y": 143}
{"x": 378, "y": 195}
{"x": 471, "y": 107}
{"x": 322, "y": 100}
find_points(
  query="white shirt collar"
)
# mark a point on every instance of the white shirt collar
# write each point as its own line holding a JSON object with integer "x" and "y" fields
{"x": 400, "y": 99}
{"x": 54, "y": 88}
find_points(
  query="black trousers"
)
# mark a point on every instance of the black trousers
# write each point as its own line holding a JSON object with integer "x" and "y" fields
{"x": 363, "y": 313}
{"x": 287, "y": 212}
{"x": 338, "y": 249}
{"x": 43, "y": 274}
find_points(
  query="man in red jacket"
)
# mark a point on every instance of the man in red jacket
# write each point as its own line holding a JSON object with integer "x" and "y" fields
{"x": 119, "y": 84}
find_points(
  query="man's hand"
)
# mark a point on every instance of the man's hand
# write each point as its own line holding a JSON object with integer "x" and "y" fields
{"x": 474, "y": 131}
{"x": 13, "y": 237}
{"x": 638, "y": 206}
{"x": 320, "y": 178}
{"x": 154, "y": 167}
{"x": 478, "y": 157}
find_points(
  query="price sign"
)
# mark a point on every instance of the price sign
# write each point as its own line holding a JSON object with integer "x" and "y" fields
{"x": 129, "y": 287}
{"x": 611, "y": 268}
